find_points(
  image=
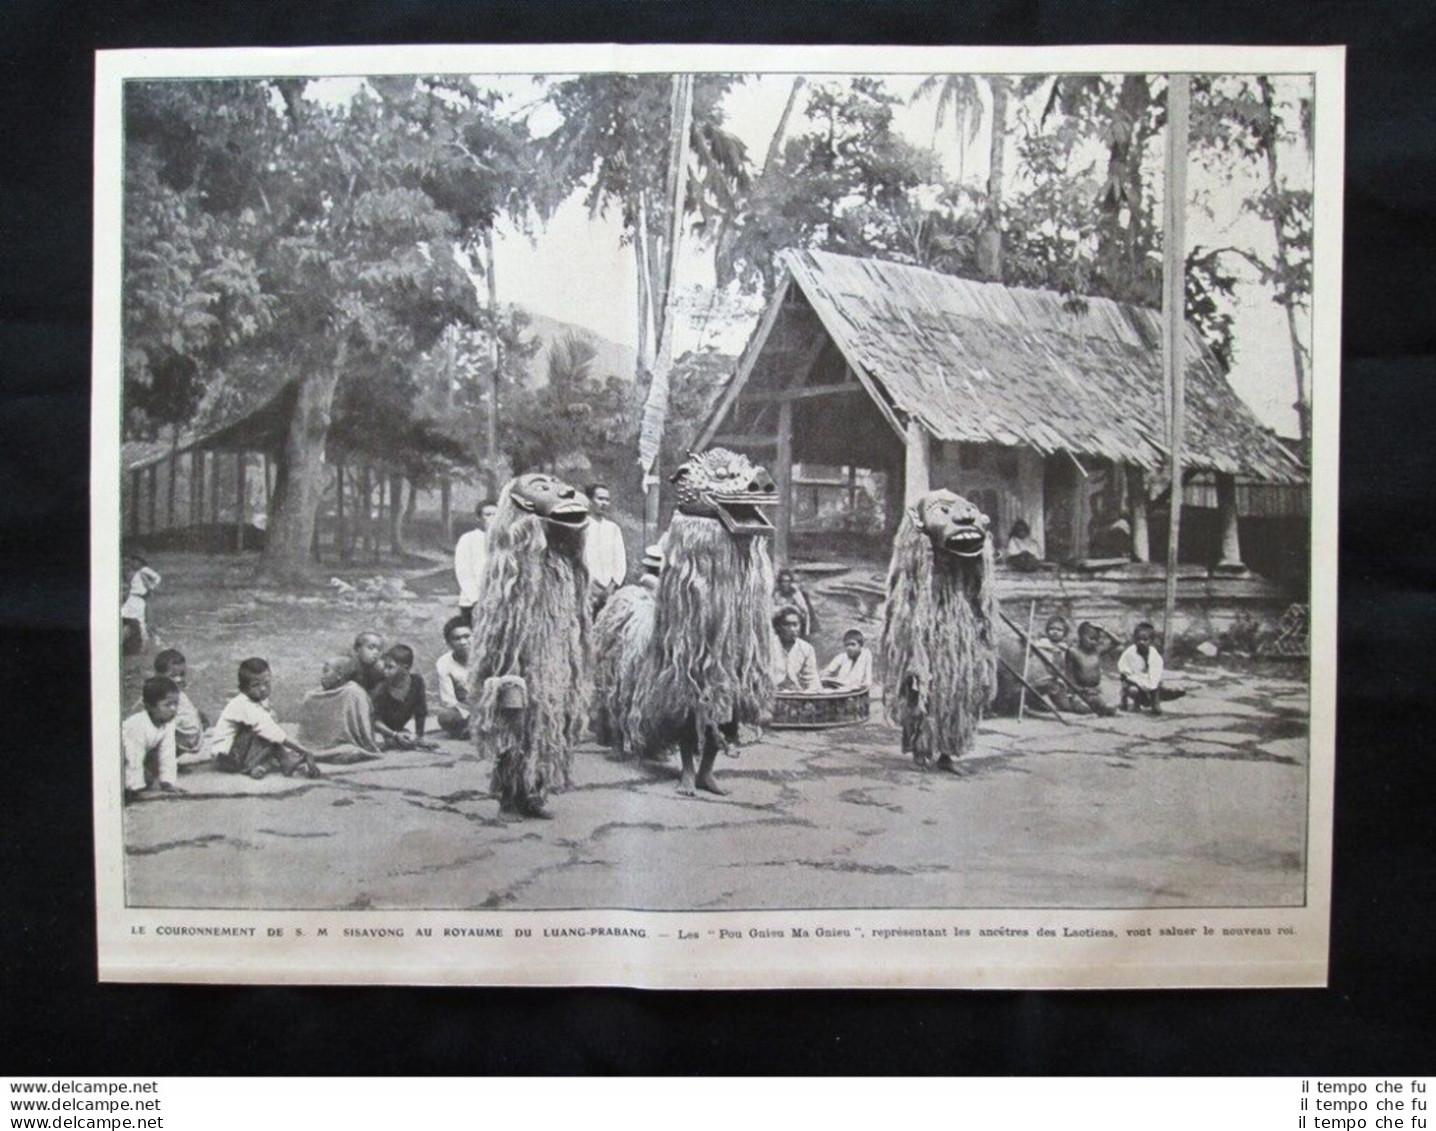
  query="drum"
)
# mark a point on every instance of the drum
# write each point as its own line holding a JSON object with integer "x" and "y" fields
{"x": 817, "y": 710}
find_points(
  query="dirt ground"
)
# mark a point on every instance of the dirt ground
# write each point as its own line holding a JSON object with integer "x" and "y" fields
{"x": 1204, "y": 806}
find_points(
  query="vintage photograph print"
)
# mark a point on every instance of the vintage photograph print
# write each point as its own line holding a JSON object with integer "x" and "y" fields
{"x": 716, "y": 517}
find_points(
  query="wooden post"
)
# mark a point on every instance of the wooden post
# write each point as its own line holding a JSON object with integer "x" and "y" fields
{"x": 268, "y": 484}
{"x": 1031, "y": 488}
{"x": 361, "y": 509}
{"x": 340, "y": 532}
{"x": 852, "y": 489}
{"x": 783, "y": 473}
{"x": 136, "y": 490}
{"x": 1026, "y": 658}
{"x": 172, "y": 492}
{"x": 213, "y": 461}
{"x": 1231, "y": 558}
{"x": 196, "y": 488}
{"x": 446, "y": 509}
{"x": 1174, "y": 251}
{"x": 152, "y": 485}
{"x": 917, "y": 474}
{"x": 1137, "y": 509}
{"x": 396, "y": 513}
{"x": 241, "y": 499}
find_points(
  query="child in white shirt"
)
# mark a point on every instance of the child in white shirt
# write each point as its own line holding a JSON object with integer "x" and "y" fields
{"x": 140, "y": 582}
{"x": 852, "y": 667}
{"x": 148, "y": 740}
{"x": 247, "y": 738}
{"x": 1140, "y": 669}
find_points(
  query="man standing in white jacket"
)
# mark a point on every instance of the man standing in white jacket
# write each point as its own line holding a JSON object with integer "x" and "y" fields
{"x": 603, "y": 550}
{"x": 469, "y": 557}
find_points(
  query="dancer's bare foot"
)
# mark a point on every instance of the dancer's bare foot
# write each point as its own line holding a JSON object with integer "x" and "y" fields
{"x": 709, "y": 784}
{"x": 947, "y": 765}
{"x": 687, "y": 784}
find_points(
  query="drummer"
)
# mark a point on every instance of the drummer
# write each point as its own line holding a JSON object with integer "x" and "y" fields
{"x": 795, "y": 664}
{"x": 852, "y": 668}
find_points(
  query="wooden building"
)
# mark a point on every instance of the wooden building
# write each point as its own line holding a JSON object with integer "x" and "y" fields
{"x": 1035, "y": 406}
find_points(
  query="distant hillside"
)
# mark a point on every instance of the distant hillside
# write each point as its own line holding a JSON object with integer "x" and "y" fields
{"x": 612, "y": 357}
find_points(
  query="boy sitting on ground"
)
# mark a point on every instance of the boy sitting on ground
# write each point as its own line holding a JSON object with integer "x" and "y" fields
{"x": 338, "y": 719}
{"x": 148, "y": 741}
{"x": 190, "y": 722}
{"x": 400, "y": 700}
{"x": 248, "y": 739}
{"x": 1053, "y": 645}
{"x": 852, "y": 667}
{"x": 453, "y": 671}
{"x": 366, "y": 667}
{"x": 1140, "y": 669}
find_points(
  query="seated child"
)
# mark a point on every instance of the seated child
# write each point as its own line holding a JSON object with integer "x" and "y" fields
{"x": 852, "y": 667}
{"x": 148, "y": 741}
{"x": 1084, "y": 669}
{"x": 365, "y": 667}
{"x": 400, "y": 699}
{"x": 453, "y": 671}
{"x": 1140, "y": 669}
{"x": 248, "y": 739}
{"x": 190, "y": 722}
{"x": 1054, "y": 647}
{"x": 339, "y": 717}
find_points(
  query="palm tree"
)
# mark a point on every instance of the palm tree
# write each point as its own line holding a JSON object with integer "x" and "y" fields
{"x": 956, "y": 95}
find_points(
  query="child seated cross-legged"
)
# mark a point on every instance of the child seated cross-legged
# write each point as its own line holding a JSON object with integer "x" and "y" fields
{"x": 148, "y": 740}
{"x": 248, "y": 739}
{"x": 851, "y": 668}
{"x": 337, "y": 721}
{"x": 190, "y": 722}
{"x": 400, "y": 700}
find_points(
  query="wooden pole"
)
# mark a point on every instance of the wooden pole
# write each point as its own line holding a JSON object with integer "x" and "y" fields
{"x": 1231, "y": 558}
{"x": 196, "y": 488}
{"x": 1137, "y": 508}
{"x": 213, "y": 461}
{"x": 917, "y": 474}
{"x": 1174, "y": 207}
{"x": 136, "y": 493}
{"x": 1026, "y": 658}
{"x": 783, "y": 474}
{"x": 241, "y": 499}
{"x": 152, "y": 484}
{"x": 341, "y": 535}
{"x": 496, "y": 363}
{"x": 1042, "y": 658}
{"x": 446, "y": 509}
{"x": 1046, "y": 702}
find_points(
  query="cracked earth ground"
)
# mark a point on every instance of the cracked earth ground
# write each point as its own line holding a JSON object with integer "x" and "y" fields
{"x": 1204, "y": 806}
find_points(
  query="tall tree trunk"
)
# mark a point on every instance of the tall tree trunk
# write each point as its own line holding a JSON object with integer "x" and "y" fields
{"x": 172, "y": 501}
{"x": 775, "y": 143}
{"x": 989, "y": 244}
{"x": 1298, "y": 353}
{"x": 341, "y": 528}
{"x": 727, "y": 233}
{"x": 491, "y": 438}
{"x": 299, "y": 477}
{"x": 396, "y": 514}
{"x": 446, "y": 509}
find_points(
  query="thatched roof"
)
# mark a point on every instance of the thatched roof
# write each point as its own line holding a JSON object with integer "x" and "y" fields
{"x": 239, "y": 413}
{"x": 986, "y": 363}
